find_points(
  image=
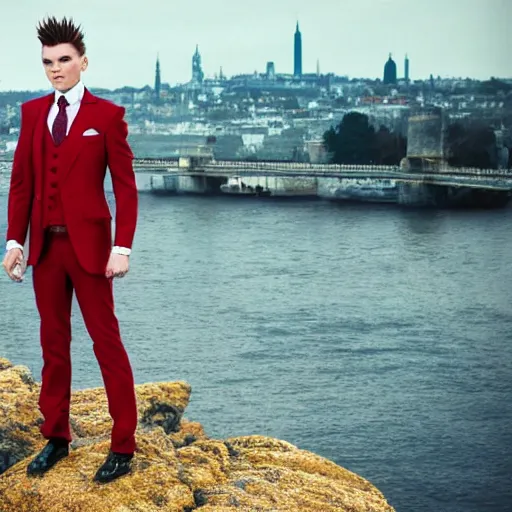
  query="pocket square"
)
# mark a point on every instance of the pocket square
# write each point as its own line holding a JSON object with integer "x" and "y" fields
{"x": 89, "y": 132}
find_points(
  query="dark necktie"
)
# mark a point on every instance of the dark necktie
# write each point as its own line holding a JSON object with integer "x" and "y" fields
{"x": 60, "y": 125}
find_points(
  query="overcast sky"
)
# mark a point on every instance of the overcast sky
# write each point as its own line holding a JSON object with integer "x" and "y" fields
{"x": 350, "y": 37}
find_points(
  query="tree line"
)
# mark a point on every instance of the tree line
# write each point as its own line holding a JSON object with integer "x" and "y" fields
{"x": 356, "y": 141}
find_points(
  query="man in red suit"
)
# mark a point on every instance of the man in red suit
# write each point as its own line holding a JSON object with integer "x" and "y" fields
{"x": 66, "y": 142}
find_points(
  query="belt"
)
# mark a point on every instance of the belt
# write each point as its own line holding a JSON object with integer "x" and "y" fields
{"x": 57, "y": 229}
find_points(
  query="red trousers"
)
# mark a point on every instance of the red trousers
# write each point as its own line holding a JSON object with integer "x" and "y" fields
{"x": 55, "y": 277}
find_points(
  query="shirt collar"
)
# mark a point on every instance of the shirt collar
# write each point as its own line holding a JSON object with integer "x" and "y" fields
{"x": 74, "y": 95}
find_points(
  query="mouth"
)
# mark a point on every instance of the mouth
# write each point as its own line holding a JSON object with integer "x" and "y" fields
{"x": 58, "y": 77}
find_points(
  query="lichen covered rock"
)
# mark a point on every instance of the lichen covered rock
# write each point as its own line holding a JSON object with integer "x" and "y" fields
{"x": 177, "y": 468}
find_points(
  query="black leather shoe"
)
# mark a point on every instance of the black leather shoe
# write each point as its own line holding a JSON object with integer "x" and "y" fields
{"x": 47, "y": 458}
{"x": 116, "y": 465}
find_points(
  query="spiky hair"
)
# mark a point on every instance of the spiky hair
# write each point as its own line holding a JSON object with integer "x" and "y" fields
{"x": 52, "y": 32}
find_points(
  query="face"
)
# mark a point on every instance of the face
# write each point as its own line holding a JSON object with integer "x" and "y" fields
{"x": 63, "y": 65}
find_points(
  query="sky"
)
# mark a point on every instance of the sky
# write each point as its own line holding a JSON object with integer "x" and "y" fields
{"x": 448, "y": 38}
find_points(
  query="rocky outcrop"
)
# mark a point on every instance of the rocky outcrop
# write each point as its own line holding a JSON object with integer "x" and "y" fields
{"x": 177, "y": 467}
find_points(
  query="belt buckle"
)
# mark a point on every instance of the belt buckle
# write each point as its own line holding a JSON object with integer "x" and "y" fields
{"x": 58, "y": 229}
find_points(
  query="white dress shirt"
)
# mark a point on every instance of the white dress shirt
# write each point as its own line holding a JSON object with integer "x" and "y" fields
{"x": 74, "y": 97}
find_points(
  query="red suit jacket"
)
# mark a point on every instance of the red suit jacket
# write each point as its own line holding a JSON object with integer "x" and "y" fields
{"x": 82, "y": 171}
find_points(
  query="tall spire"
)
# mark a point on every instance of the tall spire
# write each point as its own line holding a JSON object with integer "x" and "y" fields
{"x": 197, "y": 70}
{"x": 297, "y": 52}
{"x": 158, "y": 81}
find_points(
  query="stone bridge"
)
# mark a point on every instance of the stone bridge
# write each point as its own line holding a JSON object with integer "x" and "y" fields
{"x": 374, "y": 183}
{"x": 492, "y": 179}
{"x": 436, "y": 186}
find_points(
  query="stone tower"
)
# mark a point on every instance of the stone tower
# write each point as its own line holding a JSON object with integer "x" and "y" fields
{"x": 425, "y": 138}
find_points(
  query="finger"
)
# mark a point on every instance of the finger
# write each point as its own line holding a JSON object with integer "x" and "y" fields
{"x": 8, "y": 265}
{"x": 10, "y": 269}
{"x": 13, "y": 277}
{"x": 17, "y": 272}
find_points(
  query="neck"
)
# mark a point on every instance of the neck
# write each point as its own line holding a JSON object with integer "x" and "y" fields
{"x": 69, "y": 89}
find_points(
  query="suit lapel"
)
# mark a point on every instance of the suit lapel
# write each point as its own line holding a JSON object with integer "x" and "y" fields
{"x": 75, "y": 141}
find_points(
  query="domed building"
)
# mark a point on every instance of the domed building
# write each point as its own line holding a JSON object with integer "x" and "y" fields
{"x": 390, "y": 71}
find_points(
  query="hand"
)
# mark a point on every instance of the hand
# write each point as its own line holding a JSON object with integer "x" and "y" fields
{"x": 12, "y": 258}
{"x": 117, "y": 266}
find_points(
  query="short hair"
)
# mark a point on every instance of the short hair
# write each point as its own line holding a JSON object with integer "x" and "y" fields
{"x": 52, "y": 32}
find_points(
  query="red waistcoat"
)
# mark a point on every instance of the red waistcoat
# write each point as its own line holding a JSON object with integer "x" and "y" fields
{"x": 53, "y": 213}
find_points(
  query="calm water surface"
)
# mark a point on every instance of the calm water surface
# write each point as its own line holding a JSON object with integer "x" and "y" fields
{"x": 377, "y": 337}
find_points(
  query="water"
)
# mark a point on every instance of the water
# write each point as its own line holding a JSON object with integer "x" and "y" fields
{"x": 375, "y": 336}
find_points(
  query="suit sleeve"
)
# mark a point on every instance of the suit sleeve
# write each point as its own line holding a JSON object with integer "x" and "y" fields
{"x": 22, "y": 184}
{"x": 120, "y": 164}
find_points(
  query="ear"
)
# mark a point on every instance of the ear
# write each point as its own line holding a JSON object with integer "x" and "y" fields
{"x": 85, "y": 63}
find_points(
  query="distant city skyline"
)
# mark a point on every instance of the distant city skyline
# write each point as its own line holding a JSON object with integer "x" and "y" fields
{"x": 460, "y": 38}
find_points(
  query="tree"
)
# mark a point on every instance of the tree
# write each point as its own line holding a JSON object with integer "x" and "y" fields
{"x": 352, "y": 141}
{"x": 494, "y": 86}
{"x": 390, "y": 147}
{"x": 471, "y": 146}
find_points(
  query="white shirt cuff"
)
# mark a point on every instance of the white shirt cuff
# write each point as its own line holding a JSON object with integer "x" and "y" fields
{"x": 121, "y": 250}
{"x": 12, "y": 244}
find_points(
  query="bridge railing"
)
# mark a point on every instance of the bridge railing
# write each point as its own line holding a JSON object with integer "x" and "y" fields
{"x": 159, "y": 162}
{"x": 230, "y": 164}
{"x": 475, "y": 171}
{"x": 233, "y": 165}
{"x": 285, "y": 166}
